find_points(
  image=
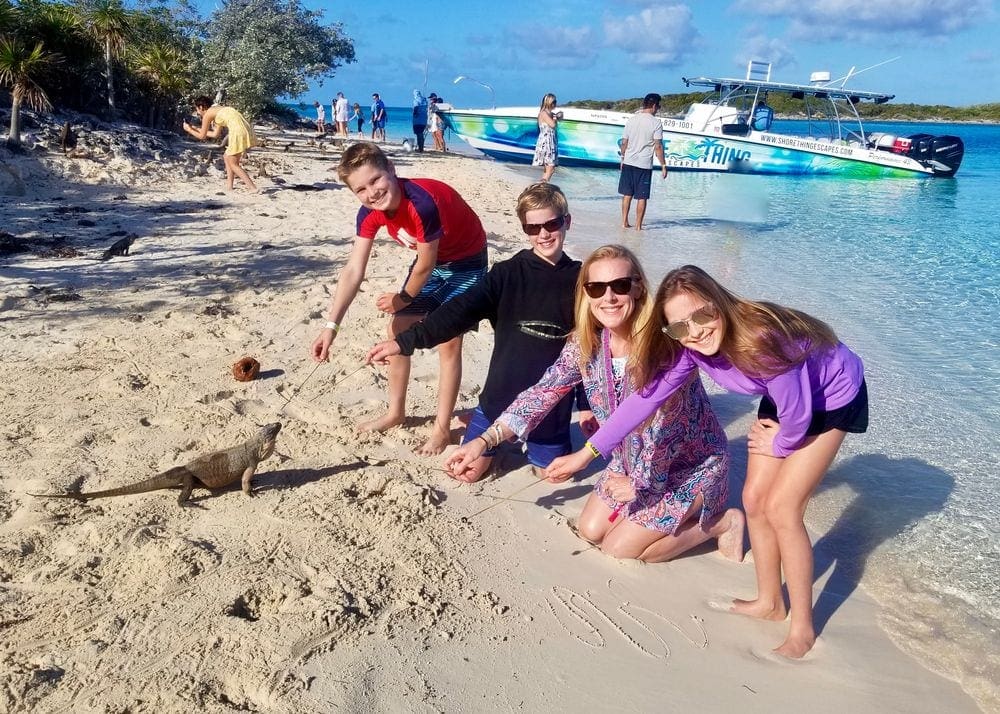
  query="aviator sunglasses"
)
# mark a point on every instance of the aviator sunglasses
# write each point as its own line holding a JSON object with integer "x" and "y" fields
{"x": 619, "y": 286}
{"x": 533, "y": 229}
{"x": 702, "y": 316}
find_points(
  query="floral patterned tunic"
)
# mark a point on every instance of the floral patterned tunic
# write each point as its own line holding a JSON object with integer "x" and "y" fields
{"x": 677, "y": 455}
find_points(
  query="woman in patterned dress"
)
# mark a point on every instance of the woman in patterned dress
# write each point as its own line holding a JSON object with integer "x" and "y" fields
{"x": 665, "y": 487}
{"x": 547, "y": 146}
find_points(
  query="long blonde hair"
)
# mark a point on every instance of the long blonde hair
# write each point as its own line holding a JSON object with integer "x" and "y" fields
{"x": 548, "y": 101}
{"x": 760, "y": 339}
{"x": 642, "y": 365}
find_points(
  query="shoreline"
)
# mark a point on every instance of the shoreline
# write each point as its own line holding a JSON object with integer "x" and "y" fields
{"x": 346, "y": 559}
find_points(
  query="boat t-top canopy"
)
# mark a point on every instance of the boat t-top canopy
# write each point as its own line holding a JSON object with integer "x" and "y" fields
{"x": 819, "y": 91}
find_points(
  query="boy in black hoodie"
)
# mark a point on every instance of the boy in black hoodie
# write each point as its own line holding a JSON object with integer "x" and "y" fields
{"x": 529, "y": 301}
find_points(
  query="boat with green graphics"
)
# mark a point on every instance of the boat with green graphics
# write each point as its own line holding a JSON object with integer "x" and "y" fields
{"x": 730, "y": 130}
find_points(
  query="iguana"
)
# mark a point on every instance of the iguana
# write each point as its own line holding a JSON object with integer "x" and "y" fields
{"x": 220, "y": 468}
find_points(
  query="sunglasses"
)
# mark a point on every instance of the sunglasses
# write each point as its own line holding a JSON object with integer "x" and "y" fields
{"x": 702, "y": 316}
{"x": 533, "y": 229}
{"x": 619, "y": 286}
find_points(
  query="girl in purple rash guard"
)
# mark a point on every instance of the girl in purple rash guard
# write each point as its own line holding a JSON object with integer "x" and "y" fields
{"x": 813, "y": 393}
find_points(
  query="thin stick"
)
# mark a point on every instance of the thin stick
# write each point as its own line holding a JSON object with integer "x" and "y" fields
{"x": 346, "y": 376}
{"x": 509, "y": 497}
{"x": 288, "y": 400}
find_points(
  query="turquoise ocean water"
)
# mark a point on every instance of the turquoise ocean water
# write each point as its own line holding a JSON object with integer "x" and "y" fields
{"x": 907, "y": 272}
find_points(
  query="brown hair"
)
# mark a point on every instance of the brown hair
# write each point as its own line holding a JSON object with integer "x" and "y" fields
{"x": 364, "y": 153}
{"x": 541, "y": 195}
{"x": 202, "y": 102}
{"x": 548, "y": 101}
{"x": 761, "y": 339}
{"x": 642, "y": 365}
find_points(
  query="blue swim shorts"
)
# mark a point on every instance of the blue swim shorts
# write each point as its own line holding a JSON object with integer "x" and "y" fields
{"x": 635, "y": 182}
{"x": 447, "y": 280}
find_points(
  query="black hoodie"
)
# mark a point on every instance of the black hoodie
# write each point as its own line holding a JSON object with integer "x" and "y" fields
{"x": 529, "y": 303}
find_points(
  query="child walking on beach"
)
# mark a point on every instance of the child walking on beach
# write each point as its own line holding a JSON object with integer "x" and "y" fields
{"x": 431, "y": 218}
{"x": 529, "y": 301}
{"x": 813, "y": 394}
{"x": 665, "y": 489}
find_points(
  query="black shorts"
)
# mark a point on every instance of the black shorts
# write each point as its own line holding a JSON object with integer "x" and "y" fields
{"x": 852, "y": 417}
{"x": 635, "y": 182}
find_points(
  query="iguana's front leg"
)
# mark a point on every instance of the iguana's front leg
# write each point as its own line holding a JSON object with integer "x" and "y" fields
{"x": 187, "y": 486}
{"x": 247, "y": 481}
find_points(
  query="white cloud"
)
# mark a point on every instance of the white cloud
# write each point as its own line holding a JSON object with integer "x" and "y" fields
{"x": 765, "y": 49}
{"x": 656, "y": 36}
{"x": 855, "y": 19}
{"x": 557, "y": 46}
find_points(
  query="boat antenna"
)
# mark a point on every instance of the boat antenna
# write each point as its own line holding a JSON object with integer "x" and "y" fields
{"x": 852, "y": 73}
{"x": 462, "y": 77}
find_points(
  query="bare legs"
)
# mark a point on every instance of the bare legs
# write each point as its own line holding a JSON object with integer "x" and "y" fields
{"x": 640, "y": 212}
{"x": 775, "y": 497}
{"x": 547, "y": 172}
{"x": 234, "y": 169}
{"x": 624, "y": 539}
{"x": 449, "y": 379}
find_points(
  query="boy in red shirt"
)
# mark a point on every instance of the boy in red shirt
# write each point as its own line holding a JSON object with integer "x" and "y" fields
{"x": 431, "y": 218}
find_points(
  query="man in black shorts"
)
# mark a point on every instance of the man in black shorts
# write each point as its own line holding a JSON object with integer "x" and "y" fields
{"x": 641, "y": 138}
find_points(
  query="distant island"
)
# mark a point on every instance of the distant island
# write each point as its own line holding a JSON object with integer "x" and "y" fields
{"x": 787, "y": 108}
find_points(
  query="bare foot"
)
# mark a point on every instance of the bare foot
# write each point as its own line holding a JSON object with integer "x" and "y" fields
{"x": 795, "y": 647}
{"x": 638, "y": 228}
{"x": 730, "y": 540}
{"x": 384, "y": 422}
{"x": 626, "y": 224}
{"x": 760, "y": 609}
{"x": 440, "y": 439}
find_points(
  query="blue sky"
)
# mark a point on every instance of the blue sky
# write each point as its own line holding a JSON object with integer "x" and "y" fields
{"x": 582, "y": 49}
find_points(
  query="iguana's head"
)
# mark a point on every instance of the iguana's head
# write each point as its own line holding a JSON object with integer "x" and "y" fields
{"x": 268, "y": 432}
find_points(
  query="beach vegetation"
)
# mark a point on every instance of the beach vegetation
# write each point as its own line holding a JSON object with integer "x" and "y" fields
{"x": 144, "y": 59}
{"x": 110, "y": 24}
{"x": 259, "y": 50}
{"x": 21, "y": 65}
{"x": 787, "y": 108}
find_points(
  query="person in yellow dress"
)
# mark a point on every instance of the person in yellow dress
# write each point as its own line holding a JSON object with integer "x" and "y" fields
{"x": 241, "y": 136}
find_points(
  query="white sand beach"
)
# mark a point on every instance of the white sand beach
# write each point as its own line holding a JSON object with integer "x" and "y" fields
{"x": 359, "y": 577}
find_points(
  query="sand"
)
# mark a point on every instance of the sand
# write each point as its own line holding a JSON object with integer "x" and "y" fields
{"x": 359, "y": 577}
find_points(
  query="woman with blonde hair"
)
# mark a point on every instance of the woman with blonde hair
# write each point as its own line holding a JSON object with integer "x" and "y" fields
{"x": 664, "y": 490}
{"x": 813, "y": 394}
{"x": 547, "y": 145}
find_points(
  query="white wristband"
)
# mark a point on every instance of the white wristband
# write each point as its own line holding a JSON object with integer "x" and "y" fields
{"x": 331, "y": 325}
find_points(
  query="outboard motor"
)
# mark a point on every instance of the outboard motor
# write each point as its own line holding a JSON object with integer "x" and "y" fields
{"x": 941, "y": 154}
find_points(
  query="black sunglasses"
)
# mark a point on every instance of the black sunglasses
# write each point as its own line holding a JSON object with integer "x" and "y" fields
{"x": 533, "y": 229}
{"x": 619, "y": 286}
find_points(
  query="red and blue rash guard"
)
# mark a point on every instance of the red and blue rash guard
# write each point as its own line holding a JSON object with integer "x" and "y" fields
{"x": 429, "y": 210}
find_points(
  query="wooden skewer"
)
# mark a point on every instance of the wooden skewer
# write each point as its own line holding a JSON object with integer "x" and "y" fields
{"x": 346, "y": 376}
{"x": 509, "y": 497}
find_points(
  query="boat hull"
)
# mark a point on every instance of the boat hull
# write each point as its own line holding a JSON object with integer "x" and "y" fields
{"x": 592, "y": 138}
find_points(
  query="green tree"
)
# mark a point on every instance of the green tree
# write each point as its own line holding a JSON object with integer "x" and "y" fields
{"x": 260, "y": 50}
{"x": 20, "y": 67}
{"x": 165, "y": 70}
{"x": 110, "y": 24}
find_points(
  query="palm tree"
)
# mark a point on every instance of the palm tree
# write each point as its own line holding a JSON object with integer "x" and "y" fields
{"x": 109, "y": 23}
{"x": 165, "y": 67}
{"x": 19, "y": 70}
